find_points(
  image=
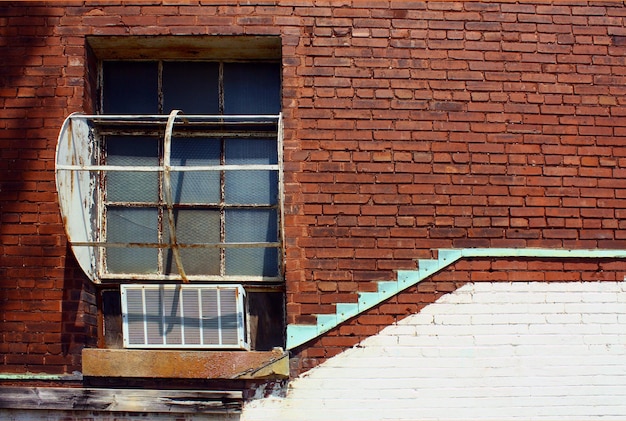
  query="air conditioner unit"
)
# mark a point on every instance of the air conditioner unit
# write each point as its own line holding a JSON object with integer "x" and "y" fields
{"x": 184, "y": 316}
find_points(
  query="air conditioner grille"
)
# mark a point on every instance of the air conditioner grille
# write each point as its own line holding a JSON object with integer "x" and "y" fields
{"x": 184, "y": 316}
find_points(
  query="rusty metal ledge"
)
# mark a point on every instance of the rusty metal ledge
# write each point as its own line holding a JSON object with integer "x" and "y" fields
{"x": 222, "y": 365}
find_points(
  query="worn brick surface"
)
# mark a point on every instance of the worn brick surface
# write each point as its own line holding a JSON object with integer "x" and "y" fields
{"x": 409, "y": 126}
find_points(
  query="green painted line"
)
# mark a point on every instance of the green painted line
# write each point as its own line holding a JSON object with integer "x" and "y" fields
{"x": 41, "y": 376}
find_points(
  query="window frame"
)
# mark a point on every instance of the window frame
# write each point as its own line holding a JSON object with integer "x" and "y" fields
{"x": 98, "y": 129}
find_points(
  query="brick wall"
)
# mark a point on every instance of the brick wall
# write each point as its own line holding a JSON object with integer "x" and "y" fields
{"x": 507, "y": 351}
{"x": 409, "y": 127}
{"x": 48, "y": 311}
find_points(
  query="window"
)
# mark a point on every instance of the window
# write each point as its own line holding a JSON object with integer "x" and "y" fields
{"x": 224, "y": 178}
{"x": 178, "y": 179}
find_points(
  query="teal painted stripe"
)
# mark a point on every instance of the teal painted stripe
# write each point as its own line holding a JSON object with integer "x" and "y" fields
{"x": 545, "y": 253}
{"x": 300, "y": 334}
{"x": 42, "y": 376}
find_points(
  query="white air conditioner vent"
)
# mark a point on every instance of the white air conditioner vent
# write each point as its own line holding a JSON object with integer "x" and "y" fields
{"x": 184, "y": 316}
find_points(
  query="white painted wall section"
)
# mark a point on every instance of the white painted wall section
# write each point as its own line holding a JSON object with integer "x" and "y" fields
{"x": 501, "y": 351}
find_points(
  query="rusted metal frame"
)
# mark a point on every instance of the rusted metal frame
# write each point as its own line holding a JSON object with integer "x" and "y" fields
{"x": 222, "y": 203}
{"x": 273, "y": 244}
{"x": 222, "y": 168}
{"x": 163, "y": 189}
{"x": 187, "y": 134}
{"x": 162, "y": 119}
{"x": 101, "y": 226}
{"x": 167, "y": 187}
{"x": 211, "y": 122}
{"x": 281, "y": 195}
{"x": 160, "y": 86}
{"x": 262, "y": 281}
{"x": 177, "y": 168}
{"x": 207, "y": 205}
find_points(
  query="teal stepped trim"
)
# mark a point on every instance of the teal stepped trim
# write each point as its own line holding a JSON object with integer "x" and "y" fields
{"x": 300, "y": 334}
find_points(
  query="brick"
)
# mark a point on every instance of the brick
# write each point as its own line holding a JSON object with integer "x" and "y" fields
{"x": 465, "y": 124}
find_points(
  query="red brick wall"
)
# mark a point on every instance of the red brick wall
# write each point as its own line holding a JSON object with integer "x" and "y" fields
{"x": 409, "y": 126}
{"x": 47, "y": 309}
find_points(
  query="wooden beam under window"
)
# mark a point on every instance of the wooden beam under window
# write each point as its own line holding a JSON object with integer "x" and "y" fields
{"x": 120, "y": 400}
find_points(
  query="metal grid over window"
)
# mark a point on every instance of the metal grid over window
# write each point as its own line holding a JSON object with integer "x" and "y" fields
{"x": 173, "y": 197}
{"x": 193, "y": 196}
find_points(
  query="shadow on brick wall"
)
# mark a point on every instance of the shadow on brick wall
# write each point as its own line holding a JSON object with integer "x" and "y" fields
{"x": 46, "y": 303}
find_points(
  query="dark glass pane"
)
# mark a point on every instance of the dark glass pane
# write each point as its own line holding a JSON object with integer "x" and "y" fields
{"x": 245, "y": 187}
{"x": 132, "y": 225}
{"x": 195, "y": 186}
{"x": 130, "y": 87}
{"x": 191, "y": 87}
{"x": 195, "y": 151}
{"x": 251, "y": 88}
{"x": 251, "y": 151}
{"x": 132, "y": 186}
{"x": 195, "y": 226}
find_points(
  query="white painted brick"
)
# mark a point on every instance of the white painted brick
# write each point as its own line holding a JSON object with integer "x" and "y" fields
{"x": 558, "y": 329}
{"x": 384, "y": 340}
{"x": 452, "y": 319}
{"x": 498, "y": 319}
{"x": 605, "y": 319}
{"x": 564, "y": 318}
{"x": 431, "y": 340}
{"x": 399, "y": 330}
{"x": 489, "y": 351}
{"x": 562, "y": 297}
{"x": 609, "y": 307}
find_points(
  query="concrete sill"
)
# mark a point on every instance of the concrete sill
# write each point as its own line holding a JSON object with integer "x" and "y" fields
{"x": 178, "y": 364}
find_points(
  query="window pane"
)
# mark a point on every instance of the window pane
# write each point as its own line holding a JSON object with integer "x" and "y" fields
{"x": 132, "y": 225}
{"x": 191, "y": 87}
{"x": 251, "y": 151}
{"x": 251, "y": 225}
{"x": 251, "y": 88}
{"x": 195, "y": 187}
{"x": 196, "y": 226}
{"x": 252, "y": 261}
{"x": 130, "y": 87}
{"x": 132, "y": 186}
{"x": 251, "y": 187}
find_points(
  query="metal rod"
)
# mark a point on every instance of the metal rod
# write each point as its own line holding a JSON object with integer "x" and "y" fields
{"x": 164, "y": 118}
{"x": 176, "y": 168}
{"x": 167, "y": 186}
{"x": 184, "y": 246}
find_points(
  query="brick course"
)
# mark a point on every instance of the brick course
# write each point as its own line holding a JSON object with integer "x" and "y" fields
{"x": 409, "y": 127}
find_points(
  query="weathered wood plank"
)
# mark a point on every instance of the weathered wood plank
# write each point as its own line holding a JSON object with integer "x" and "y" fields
{"x": 120, "y": 400}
